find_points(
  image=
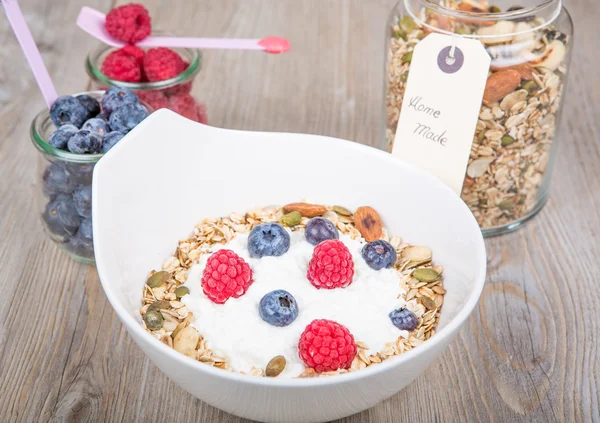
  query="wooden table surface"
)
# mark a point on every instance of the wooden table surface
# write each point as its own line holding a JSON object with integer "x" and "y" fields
{"x": 529, "y": 351}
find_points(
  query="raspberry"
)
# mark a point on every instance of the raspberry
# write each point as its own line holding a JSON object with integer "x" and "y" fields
{"x": 331, "y": 265}
{"x": 162, "y": 63}
{"x": 129, "y": 23}
{"x": 326, "y": 346}
{"x": 185, "y": 105}
{"x": 121, "y": 67}
{"x": 226, "y": 275}
{"x": 201, "y": 112}
{"x": 136, "y": 52}
{"x": 184, "y": 88}
{"x": 156, "y": 99}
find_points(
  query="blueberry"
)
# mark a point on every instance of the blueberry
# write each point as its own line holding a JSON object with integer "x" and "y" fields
{"x": 82, "y": 198}
{"x": 268, "y": 239}
{"x": 82, "y": 244}
{"x": 115, "y": 97}
{"x": 81, "y": 173}
{"x": 91, "y": 105}
{"x": 127, "y": 117}
{"x": 111, "y": 139}
{"x": 57, "y": 180}
{"x": 60, "y": 137}
{"x": 278, "y": 308}
{"x": 379, "y": 254}
{"x": 404, "y": 319}
{"x": 61, "y": 217}
{"x": 85, "y": 142}
{"x": 67, "y": 109}
{"x": 100, "y": 126}
{"x": 319, "y": 229}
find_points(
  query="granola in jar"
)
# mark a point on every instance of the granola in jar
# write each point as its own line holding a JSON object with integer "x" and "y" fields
{"x": 508, "y": 172}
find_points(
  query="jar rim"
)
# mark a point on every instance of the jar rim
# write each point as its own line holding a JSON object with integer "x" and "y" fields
{"x": 93, "y": 69}
{"x": 42, "y": 144}
{"x": 555, "y": 7}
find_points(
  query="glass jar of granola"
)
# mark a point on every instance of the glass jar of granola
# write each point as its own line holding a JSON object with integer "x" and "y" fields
{"x": 173, "y": 93}
{"x": 509, "y": 169}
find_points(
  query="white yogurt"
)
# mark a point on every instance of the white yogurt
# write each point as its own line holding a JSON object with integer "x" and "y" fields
{"x": 235, "y": 330}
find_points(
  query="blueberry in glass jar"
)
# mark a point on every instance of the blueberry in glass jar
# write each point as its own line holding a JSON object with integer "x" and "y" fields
{"x": 111, "y": 139}
{"x": 61, "y": 217}
{"x": 91, "y": 105}
{"x": 85, "y": 142}
{"x": 127, "y": 117}
{"x": 116, "y": 97}
{"x": 57, "y": 180}
{"x": 62, "y": 135}
{"x": 82, "y": 243}
{"x": 97, "y": 125}
{"x": 68, "y": 110}
{"x": 82, "y": 198}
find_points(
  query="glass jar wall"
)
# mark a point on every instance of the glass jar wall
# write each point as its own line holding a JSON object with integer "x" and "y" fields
{"x": 509, "y": 169}
{"x": 173, "y": 93}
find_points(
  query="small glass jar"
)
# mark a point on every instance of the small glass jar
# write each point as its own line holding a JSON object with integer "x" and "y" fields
{"x": 63, "y": 185}
{"x": 173, "y": 93}
{"x": 508, "y": 174}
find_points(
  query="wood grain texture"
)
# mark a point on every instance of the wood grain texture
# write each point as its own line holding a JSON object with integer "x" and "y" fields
{"x": 530, "y": 350}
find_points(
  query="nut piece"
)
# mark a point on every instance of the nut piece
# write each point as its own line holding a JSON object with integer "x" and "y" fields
{"x": 307, "y": 210}
{"x": 478, "y": 167}
{"x": 158, "y": 279}
{"x": 417, "y": 254}
{"x": 291, "y": 219}
{"x": 186, "y": 340}
{"x": 368, "y": 223}
{"x": 553, "y": 57}
{"x": 275, "y": 366}
{"x": 501, "y": 84}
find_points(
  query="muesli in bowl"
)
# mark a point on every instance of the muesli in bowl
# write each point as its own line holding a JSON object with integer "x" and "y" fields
{"x": 301, "y": 290}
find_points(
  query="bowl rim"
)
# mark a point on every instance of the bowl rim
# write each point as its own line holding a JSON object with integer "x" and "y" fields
{"x": 138, "y": 332}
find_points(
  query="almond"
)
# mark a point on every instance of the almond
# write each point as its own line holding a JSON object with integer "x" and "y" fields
{"x": 524, "y": 70}
{"x": 305, "y": 209}
{"x": 501, "y": 84}
{"x": 368, "y": 223}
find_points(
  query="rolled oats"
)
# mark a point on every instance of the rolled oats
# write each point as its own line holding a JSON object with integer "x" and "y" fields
{"x": 423, "y": 298}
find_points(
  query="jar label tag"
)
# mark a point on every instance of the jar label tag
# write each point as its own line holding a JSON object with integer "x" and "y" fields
{"x": 441, "y": 106}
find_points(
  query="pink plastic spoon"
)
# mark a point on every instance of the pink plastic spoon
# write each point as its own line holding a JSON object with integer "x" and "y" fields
{"x": 92, "y": 22}
{"x": 32, "y": 54}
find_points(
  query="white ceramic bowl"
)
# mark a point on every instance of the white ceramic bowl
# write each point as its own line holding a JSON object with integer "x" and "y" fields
{"x": 169, "y": 173}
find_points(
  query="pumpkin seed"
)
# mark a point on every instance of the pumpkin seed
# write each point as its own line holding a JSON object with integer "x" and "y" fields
{"x": 158, "y": 279}
{"x": 407, "y": 57}
{"x": 507, "y": 140}
{"x": 506, "y": 205}
{"x": 494, "y": 9}
{"x": 428, "y": 302}
{"x": 426, "y": 274}
{"x": 275, "y": 366}
{"x": 343, "y": 211}
{"x": 407, "y": 24}
{"x": 180, "y": 291}
{"x": 531, "y": 87}
{"x": 153, "y": 319}
{"x": 291, "y": 219}
{"x": 158, "y": 305}
{"x": 462, "y": 30}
